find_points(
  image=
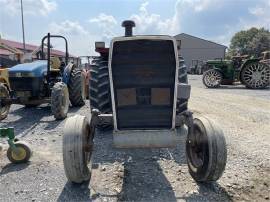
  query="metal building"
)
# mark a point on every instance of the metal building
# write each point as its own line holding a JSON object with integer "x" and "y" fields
{"x": 194, "y": 48}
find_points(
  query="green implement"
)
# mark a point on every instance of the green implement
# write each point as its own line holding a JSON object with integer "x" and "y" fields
{"x": 18, "y": 151}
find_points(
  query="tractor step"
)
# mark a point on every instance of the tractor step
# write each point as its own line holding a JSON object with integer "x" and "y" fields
{"x": 148, "y": 138}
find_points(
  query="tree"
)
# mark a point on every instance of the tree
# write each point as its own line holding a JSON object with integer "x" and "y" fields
{"x": 251, "y": 42}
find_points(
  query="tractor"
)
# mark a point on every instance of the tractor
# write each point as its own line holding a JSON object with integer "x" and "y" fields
{"x": 46, "y": 80}
{"x": 251, "y": 72}
{"x": 144, "y": 91}
{"x": 4, "y": 92}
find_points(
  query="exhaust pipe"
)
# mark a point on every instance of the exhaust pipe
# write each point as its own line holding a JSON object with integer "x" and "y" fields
{"x": 128, "y": 24}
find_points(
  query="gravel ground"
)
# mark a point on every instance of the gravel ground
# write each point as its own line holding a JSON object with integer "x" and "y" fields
{"x": 146, "y": 175}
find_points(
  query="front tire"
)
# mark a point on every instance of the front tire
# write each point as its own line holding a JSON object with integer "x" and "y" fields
{"x": 212, "y": 78}
{"x": 206, "y": 151}
{"x": 77, "y": 148}
{"x": 60, "y": 100}
{"x": 21, "y": 154}
{"x": 4, "y": 109}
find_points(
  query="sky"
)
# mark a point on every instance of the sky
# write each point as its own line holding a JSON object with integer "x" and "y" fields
{"x": 83, "y": 22}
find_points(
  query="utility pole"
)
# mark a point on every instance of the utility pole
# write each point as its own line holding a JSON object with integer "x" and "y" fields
{"x": 23, "y": 27}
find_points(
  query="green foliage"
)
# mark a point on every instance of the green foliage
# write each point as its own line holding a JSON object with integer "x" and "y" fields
{"x": 251, "y": 42}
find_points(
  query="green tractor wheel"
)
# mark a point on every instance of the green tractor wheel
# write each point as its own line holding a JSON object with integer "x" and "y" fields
{"x": 212, "y": 78}
{"x": 20, "y": 154}
{"x": 4, "y": 108}
{"x": 255, "y": 75}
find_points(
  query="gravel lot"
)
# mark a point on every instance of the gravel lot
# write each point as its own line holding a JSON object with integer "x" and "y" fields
{"x": 146, "y": 175}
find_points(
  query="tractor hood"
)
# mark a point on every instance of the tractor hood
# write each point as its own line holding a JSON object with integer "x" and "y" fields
{"x": 218, "y": 61}
{"x": 33, "y": 69}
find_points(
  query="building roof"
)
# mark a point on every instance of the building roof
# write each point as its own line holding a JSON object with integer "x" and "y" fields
{"x": 5, "y": 52}
{"x": 184, "y": 34}
{"x": 29, "y": 47}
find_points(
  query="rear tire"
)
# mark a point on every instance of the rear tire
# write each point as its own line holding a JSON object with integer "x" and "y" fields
{"x": 182, "y": 104}
{"x": 255, "y": 75}
{"x": 99, "y": 87}
{"x": 77, "y": 148}
{"x": 4, "y": 110}
{"x": 59, "y": 100}
{"x": 76, "y": 87}
{"x": 206, "y": 151}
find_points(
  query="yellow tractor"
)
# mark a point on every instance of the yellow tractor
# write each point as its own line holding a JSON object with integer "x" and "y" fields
{"x": 4, "y": 93}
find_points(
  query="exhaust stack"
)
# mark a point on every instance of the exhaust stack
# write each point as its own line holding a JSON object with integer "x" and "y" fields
{"x": 128, "y": 24}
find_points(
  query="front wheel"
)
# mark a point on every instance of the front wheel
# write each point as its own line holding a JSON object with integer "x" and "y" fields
{"x": 212, "y": 78}
{"x": 206, "y": 151}
{"x": 77, "y": 148}
{"x": 20, "y": 154}
{"x": 59, "y": 100}
{"x": 4, "y": 108}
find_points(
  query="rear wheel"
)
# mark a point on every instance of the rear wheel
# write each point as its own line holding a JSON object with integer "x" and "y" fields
{"x": 256, "y": 75}
{"x": 77, "y": 148}
{"x": 60, "y": 100}
{"x": 76, "y": 87}
{"x": 99, "y": 87}
{"x": 182, "y": 104}
{"x": 206, "y": 151}
{"x": 212, "y": 78}
{"x": 4, "y": 108}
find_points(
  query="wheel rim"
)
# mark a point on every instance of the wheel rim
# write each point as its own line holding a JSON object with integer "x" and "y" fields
{"x": 256, "y": 75}
{"x": 212, "y": 78}
{"x": 18, "y": 154}
{"x": 196, "y": 149}
{"x": 4, "y": 108}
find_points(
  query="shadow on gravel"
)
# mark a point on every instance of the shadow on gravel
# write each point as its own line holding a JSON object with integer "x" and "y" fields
{"x": 208, "y": 192}
{"x": 75, "y": 192}
{"x": 9, "y": 168}
{"x": 239, "y": 87}
{"x": 30, "y": 118}
{"x": 144, "y": 179}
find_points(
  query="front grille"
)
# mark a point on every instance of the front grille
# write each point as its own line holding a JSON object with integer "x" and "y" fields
{"x": 143, "y": 74}
{"x": 25, "y": 84}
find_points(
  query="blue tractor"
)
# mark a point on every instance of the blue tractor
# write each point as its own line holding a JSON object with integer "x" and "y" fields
{"x": 46, "y": 80}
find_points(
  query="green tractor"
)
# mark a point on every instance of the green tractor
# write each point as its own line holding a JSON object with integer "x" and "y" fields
{"x": 252, "y": 72}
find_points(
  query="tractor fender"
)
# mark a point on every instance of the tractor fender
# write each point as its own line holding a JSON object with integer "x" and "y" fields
{"x": 246, "y": 63}
{"x": 67, "y": 72}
